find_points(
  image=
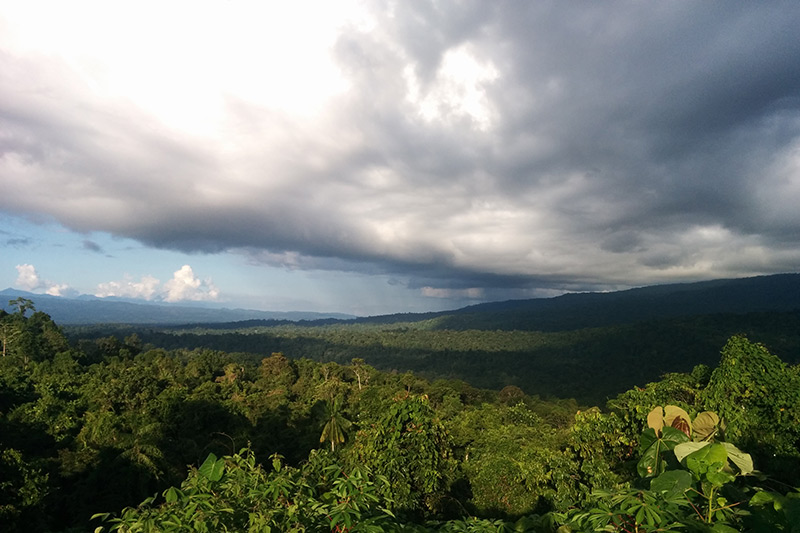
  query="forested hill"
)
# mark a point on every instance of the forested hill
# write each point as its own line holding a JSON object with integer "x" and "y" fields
{"x": 91, "y": 310}
{"x": 96, "y": 435}
{"x": 776, "y": 293}
{"x": 780, "y": 293}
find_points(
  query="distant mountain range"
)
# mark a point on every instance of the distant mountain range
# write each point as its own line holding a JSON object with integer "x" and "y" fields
{"x": 777, "y": 293}
{"x": 93, "y": 310}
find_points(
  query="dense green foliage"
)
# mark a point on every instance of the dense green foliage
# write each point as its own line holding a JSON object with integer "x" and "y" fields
{"x": 107, "y": 427}
{"x": 590, "y": 365}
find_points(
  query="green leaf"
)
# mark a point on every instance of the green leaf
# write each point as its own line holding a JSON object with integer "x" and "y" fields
{"x": 672, "y": 437}
{"x": 742, "y": 460}
{"x": 708, "y": 461}
{"x": 651, "y": 462}
{"x": 672, "y": 483}
{"x": 207, "y": 466}
{"x": 719, "y": 478}
{"x": 685, "y": 448}
{"x": 171, "y": 495}
{"x": 212, "y": 468}
{"x": 763, "y": 497}
{"x": 218, "y": 471}
{"x": 640, "y": 516}
{"x": 711, "y": 454}
{"x": 647, "y": 439}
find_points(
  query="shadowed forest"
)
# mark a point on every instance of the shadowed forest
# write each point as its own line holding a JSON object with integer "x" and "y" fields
{"x": 591, "y": 365}
{"x": 400, "y": 427}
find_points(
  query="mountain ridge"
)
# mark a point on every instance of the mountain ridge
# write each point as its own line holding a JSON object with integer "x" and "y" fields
{"x": 86, "y": 309}
{"x": 776, "y": 292}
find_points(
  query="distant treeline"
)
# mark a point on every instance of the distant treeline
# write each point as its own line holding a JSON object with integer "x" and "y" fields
{"x": 591, "y": 364}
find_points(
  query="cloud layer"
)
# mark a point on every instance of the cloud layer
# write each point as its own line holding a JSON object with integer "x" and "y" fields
{"x": 184, "y": 286}
{"x": 28, "y": 279}
{"x": 469, "y": 146}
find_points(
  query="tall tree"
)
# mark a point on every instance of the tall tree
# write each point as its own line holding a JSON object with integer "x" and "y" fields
{"x": 22, "y": 305}
{"x": 335, "y": 425}
{"x": 410, "y": 446}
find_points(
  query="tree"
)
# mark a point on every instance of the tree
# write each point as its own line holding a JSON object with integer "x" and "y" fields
{"x": 512, "y": 460}
{"x": 23, "y": 487}
{"x": 511, "y": 395}
{"x": 358, "y": 369}
{"x": 410, "y": 447}
{"x": 10, "y": 331}
{"x": 758, "y": 397}
{"x": 22, "y": 305}
{"x": 31, "y": 338}
{"x": 335, "y": 425}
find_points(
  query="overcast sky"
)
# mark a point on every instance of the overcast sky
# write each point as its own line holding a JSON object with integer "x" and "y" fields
{"x": 374, "y": 157}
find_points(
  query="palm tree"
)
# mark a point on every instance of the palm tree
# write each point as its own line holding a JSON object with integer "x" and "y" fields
{"x": 335, "y": 424}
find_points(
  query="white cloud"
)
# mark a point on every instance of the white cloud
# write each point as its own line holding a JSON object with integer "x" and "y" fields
{"x": 185, "y": 286}
{"x": 146, "y": 288}
{"x": 28, "y": 279}
{"x": 458, "y": 90}
{"x": 473, "y": 293}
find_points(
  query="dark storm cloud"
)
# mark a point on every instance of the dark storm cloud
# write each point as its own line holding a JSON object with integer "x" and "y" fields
{"x": 19, "y": 242}
{"x": 92, "y": 246}
{"x": 583, "y": 146}
{"x": 15, "y": 240}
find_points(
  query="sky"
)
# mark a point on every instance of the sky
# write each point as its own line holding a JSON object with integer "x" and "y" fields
{"x": 394, "y": 156}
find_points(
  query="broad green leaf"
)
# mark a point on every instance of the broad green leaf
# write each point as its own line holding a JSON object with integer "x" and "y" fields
{"x": 685, "y": 448}
{"x": 672, "y": 437}
{"x": 647, "y": 439}
{"x": 651, "y": 462}
{"x": 212, "y": 468}
{"x": 705, "y": 425}
{"x": 672, "y": 483}
{"x": 708, "y": 460}
{"x": 763, "y": 497}
{"x": 711, "y": 454}
{"x": 171, "y": 495}
{"x": 207, "y": 466}
{"x": 719, "y": 478}
{"x": 742, "y": 460}
{"x": 218, "y": 470}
